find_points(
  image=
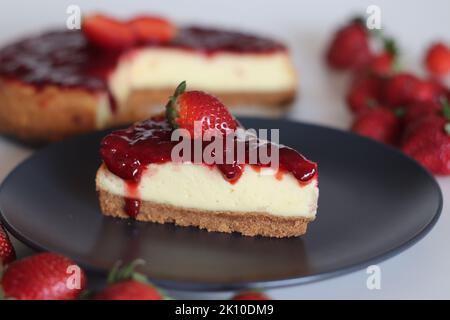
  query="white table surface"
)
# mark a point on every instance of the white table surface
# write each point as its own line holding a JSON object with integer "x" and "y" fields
{"x": 422, "y": 271}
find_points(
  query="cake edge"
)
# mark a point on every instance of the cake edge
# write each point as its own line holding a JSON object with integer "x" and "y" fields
{"x": 247, "y": 223}
{"x": 49, "y": 113}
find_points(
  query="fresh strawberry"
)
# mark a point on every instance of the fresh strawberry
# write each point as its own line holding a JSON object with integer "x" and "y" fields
{"x": 7, "y": 253}
{"x": 404, "y": 89}
{"x": 417, "y": 113}
{"x": 349, "y": 48}
{"x": 383, "y": 64}
{"x": 380, "y": 124}
{"x": 107, "y": 32}
{"x": 148, "y": 29}
{"x": 124, "y": 283}
{"x": 420, "y": 110}
{"x": 364, "y": 93}
{"x": 437, "y": 59}
{"x": 129, "y": 290}
{"x": 251, "y": 295}
{"x": 44, "y": 276}
{"x": 186, "y": 108}
{"x": 428, "y": 141}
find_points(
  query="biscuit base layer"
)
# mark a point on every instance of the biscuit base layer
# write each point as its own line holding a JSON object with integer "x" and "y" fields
{"x": 248, "y": 223}
{"x": 51, "y": 113}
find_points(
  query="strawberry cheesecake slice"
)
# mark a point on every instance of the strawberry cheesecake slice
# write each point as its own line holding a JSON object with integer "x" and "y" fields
{"x": 112, "y": 72}
{"x": 141, "y": 179}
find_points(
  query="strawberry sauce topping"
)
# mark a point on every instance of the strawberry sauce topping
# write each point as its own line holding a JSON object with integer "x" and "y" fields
{"x": 67, "y": 59}
{"x": 128, "y": 152}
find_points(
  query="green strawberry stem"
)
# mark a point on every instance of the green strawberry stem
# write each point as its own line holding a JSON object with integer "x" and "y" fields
{"x": 399, "y": 112}
{"x": 446, "y": 113}
{"x": 123, "y": 273}
{"x": 445, "y": 107}
{"x": 359, "y": 19}
{"x": 390, "y": 46}
{"x": 171, "y": 109}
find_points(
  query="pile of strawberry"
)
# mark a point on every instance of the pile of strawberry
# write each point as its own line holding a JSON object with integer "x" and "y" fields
{"x": 391, "y": 106}
{"x": 45, "y": 276}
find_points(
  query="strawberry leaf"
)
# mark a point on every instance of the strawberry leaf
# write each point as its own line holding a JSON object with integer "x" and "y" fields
{"x": 113, "y": 273}
{"x": 171, "y": 107}
{"x": 359, "y": 20}
{"x": 180, "y": 89}
{"x": 127, "y": 272}
{"x": 390, "y": 46}
{"x": 139, "y": 277}
{"x": 399, "y": 112}
{"x": 445, "y": 107}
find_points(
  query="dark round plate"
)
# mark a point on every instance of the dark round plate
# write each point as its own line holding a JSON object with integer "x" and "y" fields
{"x": 374, "y": 202}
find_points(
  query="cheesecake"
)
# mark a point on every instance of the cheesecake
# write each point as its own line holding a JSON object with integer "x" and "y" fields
{"x": 61, "y": 83}
{"x": 140, "y": 179}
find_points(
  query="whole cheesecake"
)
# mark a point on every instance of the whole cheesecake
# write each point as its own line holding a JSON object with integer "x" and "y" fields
{"x": 139, "y": 179}
{"x": 59, "y": 83}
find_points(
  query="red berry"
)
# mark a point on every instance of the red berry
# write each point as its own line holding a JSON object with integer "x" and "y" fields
{"x": 380, "y": 124}
{"x": 129, "y": 290}
{"x": 44, "y": 276}
{"x": 184, "y": 109}
{"x": 148, "y": 29}
{"x": 349, "y": 48}
{"x": 364, "y": 94}
{"x": 382, "y": 64}
{"x": 437, "y": 59}
{"x": 420, "y": 110}
{"x": 404, "y": 89}
{"x": 251, "y": 295}
{"x": 7, "y": 252}
{"x": 107, "y": 32}
{"x": 428, "y": 142}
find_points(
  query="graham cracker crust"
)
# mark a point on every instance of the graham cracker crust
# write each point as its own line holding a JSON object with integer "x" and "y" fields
{"x": 51, "y": 113}
{"x": 248, "y": 223}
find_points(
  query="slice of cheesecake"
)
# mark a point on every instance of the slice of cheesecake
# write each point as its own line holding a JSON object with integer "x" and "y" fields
{"x": 140, "y": 178}
{"x": 62, "y": 83}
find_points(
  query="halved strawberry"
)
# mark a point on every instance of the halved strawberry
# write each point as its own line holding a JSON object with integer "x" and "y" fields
{"x": 107, "y": 32}
{"x": 148, "y": 29}
{"x": 185, "y": 109}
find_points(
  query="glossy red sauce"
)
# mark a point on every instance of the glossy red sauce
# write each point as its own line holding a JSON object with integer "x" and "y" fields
{"x": 128, "y": 152}
{"x": 67, "y": 59}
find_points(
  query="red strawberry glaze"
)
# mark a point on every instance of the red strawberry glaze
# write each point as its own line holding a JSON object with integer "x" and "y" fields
{"x": 128, "y": 152}
{"x": 67, "y": 59}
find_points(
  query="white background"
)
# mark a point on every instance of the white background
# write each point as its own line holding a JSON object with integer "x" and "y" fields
{"x": 422, "y": 271}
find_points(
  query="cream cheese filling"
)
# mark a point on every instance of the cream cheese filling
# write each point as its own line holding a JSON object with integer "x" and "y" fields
{"x": 162, "y": 68}
{"x": 195, "y": 186}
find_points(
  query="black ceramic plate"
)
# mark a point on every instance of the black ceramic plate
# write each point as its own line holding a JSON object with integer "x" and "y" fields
{"x": 374, "y": 202}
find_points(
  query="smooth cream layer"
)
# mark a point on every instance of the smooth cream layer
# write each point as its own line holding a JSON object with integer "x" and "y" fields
{"x": 199, "y": 187}
{"x": 162, "y": 68}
